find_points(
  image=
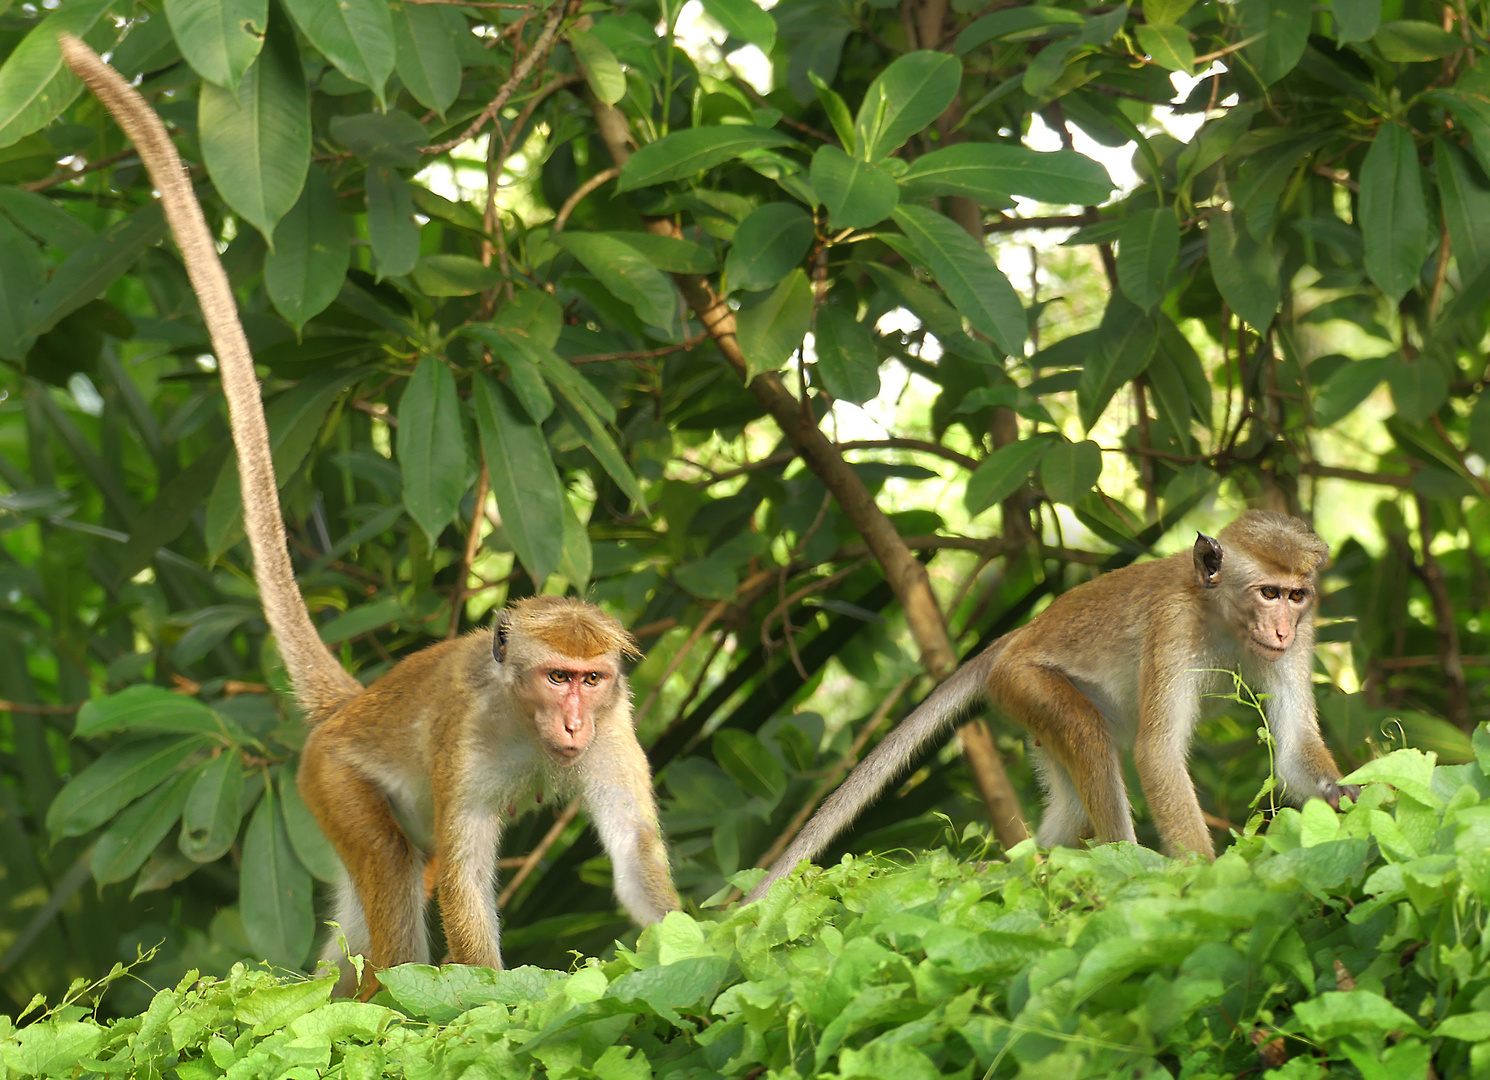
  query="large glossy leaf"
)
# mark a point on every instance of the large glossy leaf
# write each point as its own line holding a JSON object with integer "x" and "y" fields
{"x": 1399, "y": 238}
{"x": 355, "y": 35}
{"x": 602, "y": 69}
{"x": 20, "y": 280}
{"x": 1348, "y": 385}
{"x": 1407, "y": 41}
{"x": 670, "y": 253}
{"x": 1125, "y": 343}
{"x": 213, "y": 809}
{"x": 525, "y": 377}
{"x": 847, "y": 360}
{"x": 1355, "y": 20}
{"x": 1069, "y": 470}
{"x": 1147, "y": 249}
{"x": 530, "y": 497}
{"x": 769, "y": 243}
{"x": 274, "y": 889}
{"x": 692, "y": 150}
{"x": 312, "y": 848}
{"x": 856, "y": 193}
{"x": 1465, "y": 192}
{"x": 147, "y": 709}
{"x": 905, "y": 98}
{"x": 35, "y": 86}
{"x": 256, "y": 142}
{"x": 991, "y": 172}
{"x": 748, "y": 763}
{"x": 391, "y": 228}
{"x": 453, "y": 275}
{"x": 94, "y": 267}
{"x": 1168, "y": 46}
{"x": 432, "y": 447}
{"x": 128, "y": 841}
{"x": 115, "y": 780}
{"x": 219, "y": 38}
{"x": 1418, "y": 388}
{"x": 1281, "y": 29}
{"x": 425, "y": 55}
{"x": 626, "y": 273}
{"x": 1245, "y": 271}
{"x": 1017, "y": 23}
{"x": 1002, "y": 473}
{"x": 968, "y": 275}
{"x": 306, "y": 269}
{"x": 744, "y": 19}
{"x": 770, "y": 328}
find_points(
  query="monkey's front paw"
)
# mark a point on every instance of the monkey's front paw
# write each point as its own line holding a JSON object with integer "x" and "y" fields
{"x": 1333, "y": 793}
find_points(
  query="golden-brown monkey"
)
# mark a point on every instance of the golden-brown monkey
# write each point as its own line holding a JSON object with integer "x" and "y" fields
{"x": 453, "y": 736}
{"x": 1124, "y": 660}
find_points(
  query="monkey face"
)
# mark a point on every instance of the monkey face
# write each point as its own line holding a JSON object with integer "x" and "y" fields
{"x": 567, "y": 695}
{"x": 1275, "y": 613}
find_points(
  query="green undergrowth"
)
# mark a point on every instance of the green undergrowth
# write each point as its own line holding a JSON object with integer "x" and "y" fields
{"x": 1344, "y": 944}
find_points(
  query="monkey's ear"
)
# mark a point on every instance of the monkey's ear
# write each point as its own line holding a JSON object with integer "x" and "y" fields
{"x": 1207, "y": 560}
{"x": 499, "y": 638}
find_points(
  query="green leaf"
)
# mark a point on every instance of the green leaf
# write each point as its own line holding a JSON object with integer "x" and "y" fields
{"x": 362, "y": 619}
{"x": 1245, "y": 271}
{"x": 856, "y": 193}
{"x": 20, "y": 281}
{"x": 256, "y": 142}
{"x": 537, "y": 316}
{"x": 134, "y": 834}
{"x": 1355, "y": 20}
{"x": 312, "y": 848}
{"x": 425, "y": 55}
{"x": 602, "y": 69}
{"x": 1392, "y": 201}
{"x": 1348, "y": 385}
{"x": 1002, "y": 473}
{"x": 771, "y": 328}
{"x": 525, "y": 378}
{"x": 44, "y": 219}
{"x": 626, "y": 275}
{"x": 1168, "y": 46}
{"x": 391, "y": 227}
{"x": 578, "y": 561}
{"x": 683, "y": 153}
{"x": 530, "y": 497}
{"x": 573, "y": 403}
{"x": 1165, "y": 12}
{"x": 146, "y": 710}
{"x": 1409, "y": 41}
{"x": 968, "y": 275}
{"x": 272, "y": 1007}
{"x": 453, "y": 275}
{"x": 1466, "y": 207}
{"x": 846, "y": 356}
{"x": 1418, "y": 388}
{"x": 1125, "y": 343}
{"x": 116, "y": 779}
{"x": 1336, "y": 1013}
{"x": 748, "y": 763}
{"x": 1147, "y": 249}
{"x": 274, "y": 889}
{"x": 905, "y": 98}
{"x": 305, "y": 270}
{"x": 35, "y": 85}
{"x": 94, "y": 267}
{"x": 671, "y": 254}
{"x": 837, "y": 110}
{"x": 431, "y": 445}
{"x": 745, "y": 20}
{"x": 1282, "y": 29}
{"x": 991, "y": 172}
{"x": 355, "y": 35}
{"x": 381, "y": 138}
{"x": 769, "y": 243}
{"x": 442, "y": 994}
{"x": 1409, "y": 771}
{"x": 219, "y": 38}
{"x": 1019, "y": 24}
{"x": 213, "y": 809}
{"x": 1069, "y": 470}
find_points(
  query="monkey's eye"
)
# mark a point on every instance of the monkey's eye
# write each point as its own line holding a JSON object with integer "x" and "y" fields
{"x": 592, "y": 679}
{"x": 1270, "y": 592}
{"x": 558, "y": 678}
{"x": 1298, "y": 596}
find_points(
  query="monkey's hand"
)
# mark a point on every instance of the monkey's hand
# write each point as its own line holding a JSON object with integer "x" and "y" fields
{"x": 1332, "y": 792}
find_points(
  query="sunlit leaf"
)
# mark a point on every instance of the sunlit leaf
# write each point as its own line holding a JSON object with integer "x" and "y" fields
{"x": 903, "y": 99}
{"x": 219, "y": 38}
{"x": 692, "y": 150}
{"x": 355, "y": 35}
{"x": 991, "y": 172}
{"x": 856, "y": 193}
{"x": 770, "y": 328}
{"x": 968, "y": 275}
{"x": 768, "y": 244}
{"x": 1398, "y": 241}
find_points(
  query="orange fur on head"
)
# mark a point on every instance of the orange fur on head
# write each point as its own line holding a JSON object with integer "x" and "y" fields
{"x": 572, "y": 627}
{"x": 1277, "y": 542}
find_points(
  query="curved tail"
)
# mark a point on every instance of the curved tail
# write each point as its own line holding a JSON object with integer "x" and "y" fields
{"x": 319, "y": 680}
{"x": 872, "y": 775}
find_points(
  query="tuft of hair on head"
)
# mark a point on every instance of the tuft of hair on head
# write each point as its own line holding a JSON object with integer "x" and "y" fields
{"x": 1284, "y": 542}
{"x": 572, "y": 627}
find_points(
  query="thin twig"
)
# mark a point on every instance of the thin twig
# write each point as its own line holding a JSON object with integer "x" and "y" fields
{"x": 540, "y": 49}
{"x": 1044, "y": 221}
{"x": 40, "y": 710}
{"x": 646, "y": 354}
{"x": 536, "y": 855}
{"x": 73, "y": 174}
{"x": 599, "y": 179}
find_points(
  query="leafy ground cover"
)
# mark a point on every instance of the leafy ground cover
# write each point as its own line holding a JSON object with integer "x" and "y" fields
{"x": 1349, "y": 944}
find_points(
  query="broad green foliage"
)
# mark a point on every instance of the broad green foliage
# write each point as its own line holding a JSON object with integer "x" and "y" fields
{"x": 536, "y": 253}
{"x": 1334, "y": 942}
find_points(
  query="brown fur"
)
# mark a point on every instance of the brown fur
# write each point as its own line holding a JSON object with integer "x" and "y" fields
{"x": 1123, "y": 659}
{"x": 450, "y": 738}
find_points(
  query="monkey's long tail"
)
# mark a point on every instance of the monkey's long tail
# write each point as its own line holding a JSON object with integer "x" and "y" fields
{"x": 318, "y": 679}
{"x": 885, "y": 762}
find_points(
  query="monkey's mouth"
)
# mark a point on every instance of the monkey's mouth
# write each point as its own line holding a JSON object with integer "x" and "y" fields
{"x": 1269, "y": 652}
{"x": 566, "y": 755}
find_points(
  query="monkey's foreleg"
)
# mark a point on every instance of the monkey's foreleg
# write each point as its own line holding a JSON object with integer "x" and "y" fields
{"x": 621, "y": 804}
{"x": 1076, "y": 736}
{"x": 466, "y": 838}
{"x": 1304, "y": 763}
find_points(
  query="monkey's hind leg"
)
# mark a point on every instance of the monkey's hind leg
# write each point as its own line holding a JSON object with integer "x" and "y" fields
{"x": 1064, "y": 822}
{"x": 1077, "y": 738}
